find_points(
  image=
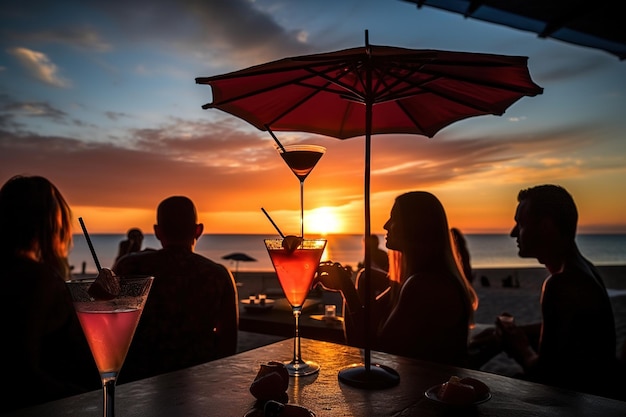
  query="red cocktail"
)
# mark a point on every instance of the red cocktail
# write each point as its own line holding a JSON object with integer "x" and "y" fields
{"x": 295, "y": 263}
{"x": 109, "y": 334}
{"x": 109, "y": 324}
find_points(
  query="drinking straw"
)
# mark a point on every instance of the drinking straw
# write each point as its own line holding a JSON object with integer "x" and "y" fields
{"x": 93, "y": 252}
{"x": 280, "y": 145}
{"x": 274, "y": 224}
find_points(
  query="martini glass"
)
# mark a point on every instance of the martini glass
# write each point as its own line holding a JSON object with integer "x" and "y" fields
{"x": 296, "y": 268}
{"x": 301, "y": 159}
{"x": 109, "y": 326}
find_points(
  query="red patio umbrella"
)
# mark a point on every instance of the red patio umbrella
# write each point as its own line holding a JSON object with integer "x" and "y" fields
{"x": 372, "y": 90}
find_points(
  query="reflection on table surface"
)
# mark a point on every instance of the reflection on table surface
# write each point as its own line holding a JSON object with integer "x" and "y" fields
{"x": 278, "y": 321}
{"x": 221, "y": 388}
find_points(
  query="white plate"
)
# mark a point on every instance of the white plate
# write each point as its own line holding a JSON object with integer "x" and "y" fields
{"x": 431, "y": 394}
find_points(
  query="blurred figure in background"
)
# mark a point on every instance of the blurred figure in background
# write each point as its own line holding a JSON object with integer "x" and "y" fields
{"x": 426, "y": 308}
{"x": 192, "y": 313}
{"x": 132, "y": 243}
{"x": 462, "y": 253}
{"x": 380, "y": 259}
{"x": 47, "y": 355}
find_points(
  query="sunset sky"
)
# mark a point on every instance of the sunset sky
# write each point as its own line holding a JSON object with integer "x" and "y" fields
{"x": 100, "y": 97}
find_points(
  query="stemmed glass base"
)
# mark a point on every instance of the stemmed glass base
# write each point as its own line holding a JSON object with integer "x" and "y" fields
{"x": 108, "y": 391}
{"x": 375, "y": 377}
{"x": 302, "y": 368}
{"x": 298, "y": 366}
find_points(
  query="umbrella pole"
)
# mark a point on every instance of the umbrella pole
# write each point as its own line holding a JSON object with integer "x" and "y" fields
{"x": 368, "y": 376}
{"x": 366, "y": 194}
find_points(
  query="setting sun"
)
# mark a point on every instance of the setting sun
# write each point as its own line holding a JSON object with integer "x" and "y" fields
{"x": 323, "y": 220}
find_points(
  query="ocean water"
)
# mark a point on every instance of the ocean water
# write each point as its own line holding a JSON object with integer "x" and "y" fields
{"x": 486, "y": 250}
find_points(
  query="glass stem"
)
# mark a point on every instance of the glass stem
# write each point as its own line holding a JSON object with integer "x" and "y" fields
{"x": 302, "y": 209}
{"x": 108, "y": 390}
{"x": 297, "y": 357}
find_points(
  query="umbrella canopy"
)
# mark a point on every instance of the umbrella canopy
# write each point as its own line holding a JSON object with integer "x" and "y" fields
{"x": 372, "y": 90}
{"x": 412, "y": 91}
{"x": 598, "y": 24}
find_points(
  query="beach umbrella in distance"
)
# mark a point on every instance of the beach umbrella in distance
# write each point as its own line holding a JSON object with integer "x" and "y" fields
{"x": 238, "y": 257}
{"x": 371, "y": 90}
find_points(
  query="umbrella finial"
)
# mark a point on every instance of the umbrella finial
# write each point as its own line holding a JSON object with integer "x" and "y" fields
{"x": 367, "y": 38}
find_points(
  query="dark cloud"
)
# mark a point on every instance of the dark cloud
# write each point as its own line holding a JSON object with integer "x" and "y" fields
{"x": 224, "y": 32}
{"x": 14, "y": 109}
{"x": 561, "y": 67}
{"x": 227, "y": 33}
{"x": 113, "y": 115}
{"x": 86, "y": 38}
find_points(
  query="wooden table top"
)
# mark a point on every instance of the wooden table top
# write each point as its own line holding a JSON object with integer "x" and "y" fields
{"x": 221, "y": 388}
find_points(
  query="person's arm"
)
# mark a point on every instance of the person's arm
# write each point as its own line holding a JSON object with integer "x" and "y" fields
{"x": 516, "y": 342}
{"x": 48, "y": 312}
{"x": 483, "y": 346}
{"x": 532, "y": 331}
{"x": 335, "y": 277}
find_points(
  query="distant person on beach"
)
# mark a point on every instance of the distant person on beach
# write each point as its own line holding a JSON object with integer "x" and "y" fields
{"x": 462, "y": 253}
{"x": 46, "y": 356}
{"x": 132, "y": 243}
{"x": 379, "y": 258}
{"x": 191, "y": 315}
{"x": 425, "y": 307}
{"x": 574, "y": 346}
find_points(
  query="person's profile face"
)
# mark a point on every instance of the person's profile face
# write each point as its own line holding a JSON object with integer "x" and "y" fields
{"x": 392, "y": 226}
{"x": 527, "y": 232}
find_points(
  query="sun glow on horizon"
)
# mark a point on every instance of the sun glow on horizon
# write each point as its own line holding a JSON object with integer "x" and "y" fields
{"x": 323, "y": 221}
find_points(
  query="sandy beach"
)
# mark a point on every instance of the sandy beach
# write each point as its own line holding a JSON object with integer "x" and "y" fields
{"x": 521, "y": 301}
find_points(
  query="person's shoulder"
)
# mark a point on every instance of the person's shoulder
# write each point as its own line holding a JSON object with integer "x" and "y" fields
{"x": 33, "y": 284}
{"x": 211, "y": 265}
{"x": 577, "y": 272}
{"x": 136, "y": 259}
{"x": 429, "y": 283}
{"x": 576, "y": 282}
{"x": 139, "y": 256}
{"x": 212, "y": 273}
{"x": 22, "y": 270}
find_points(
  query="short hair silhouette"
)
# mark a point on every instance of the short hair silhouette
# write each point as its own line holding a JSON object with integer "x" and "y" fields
{"x": 553, "y": 202}
{"x": 177, "y": 217}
